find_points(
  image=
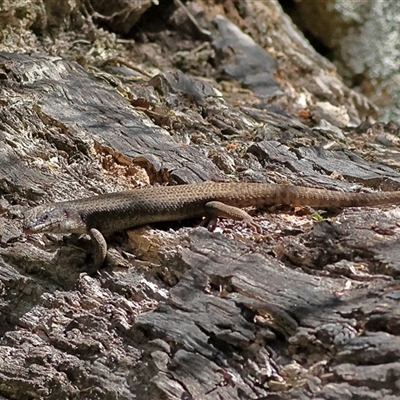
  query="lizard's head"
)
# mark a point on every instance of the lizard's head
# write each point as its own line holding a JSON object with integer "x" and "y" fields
{"x": 52, "y": 218}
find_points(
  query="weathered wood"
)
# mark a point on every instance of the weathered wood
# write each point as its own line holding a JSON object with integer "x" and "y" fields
{"x": 306, "y": 310}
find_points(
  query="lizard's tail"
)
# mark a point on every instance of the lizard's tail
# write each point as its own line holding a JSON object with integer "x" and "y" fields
{"x": 299, "y": 196}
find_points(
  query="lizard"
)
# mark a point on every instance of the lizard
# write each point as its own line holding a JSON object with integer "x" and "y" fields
{"x": 107, "y": 213}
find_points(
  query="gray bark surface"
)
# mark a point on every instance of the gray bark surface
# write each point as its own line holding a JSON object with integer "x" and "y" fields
{"x": 308, "y": 309}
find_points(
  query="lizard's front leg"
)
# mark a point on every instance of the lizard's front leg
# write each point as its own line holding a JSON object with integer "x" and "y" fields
{"x": 100, "y": 247}
{"x": 215, "y": 209}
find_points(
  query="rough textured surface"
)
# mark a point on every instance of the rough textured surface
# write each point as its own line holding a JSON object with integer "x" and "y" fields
{"x": 362, "y": 40}
{"x": 307, "y": 309}
{"x": 120, "y": 15}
